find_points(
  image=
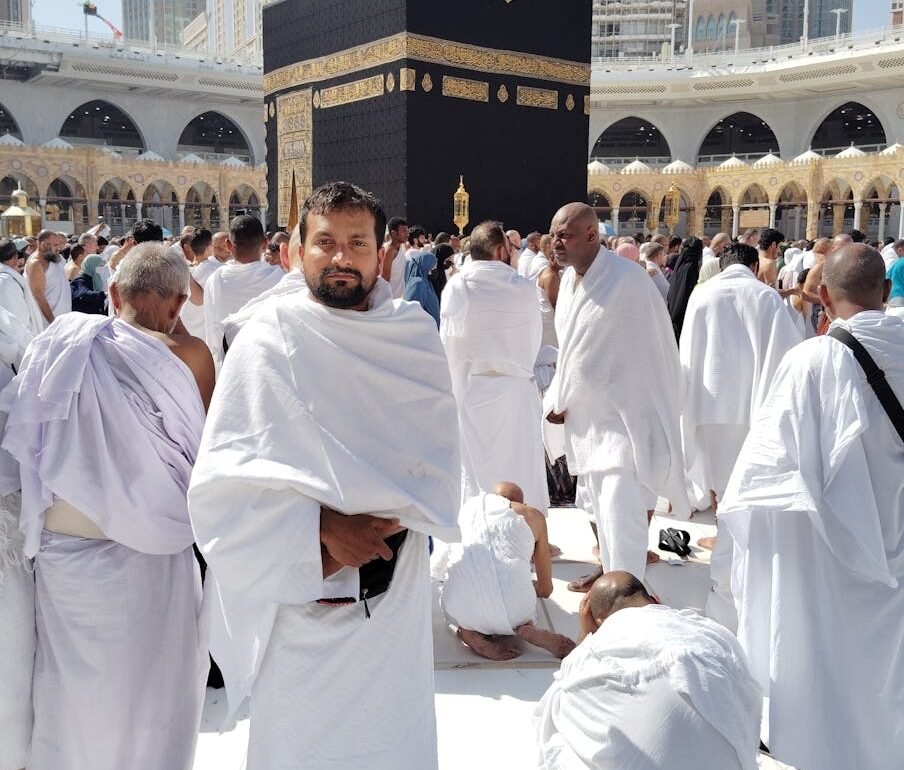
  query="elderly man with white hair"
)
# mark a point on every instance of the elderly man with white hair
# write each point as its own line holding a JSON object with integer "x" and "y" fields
{"x": 104, "y": 418}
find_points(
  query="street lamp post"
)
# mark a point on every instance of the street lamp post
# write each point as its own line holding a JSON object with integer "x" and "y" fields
{"x": 674, "y": 28}
{"x": 806, "y": 35}
{"x": 838, "y": 12}
{"x": 737, "y": 34}
{"x": 690, "y": 29}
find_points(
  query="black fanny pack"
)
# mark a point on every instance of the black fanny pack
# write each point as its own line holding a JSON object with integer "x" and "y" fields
{"x": 375, "y": 576}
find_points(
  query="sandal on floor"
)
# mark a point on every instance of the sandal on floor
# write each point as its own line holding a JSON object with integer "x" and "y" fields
{"x": 674, "y": 541}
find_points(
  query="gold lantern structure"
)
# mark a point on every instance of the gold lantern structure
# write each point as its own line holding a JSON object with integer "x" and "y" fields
{"x": 672, "y": 205}
{"x": 19, "y": 218}
{"x": 461, "y": 206}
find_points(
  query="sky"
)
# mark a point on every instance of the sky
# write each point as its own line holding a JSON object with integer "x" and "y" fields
{"x": 868, "y": 14}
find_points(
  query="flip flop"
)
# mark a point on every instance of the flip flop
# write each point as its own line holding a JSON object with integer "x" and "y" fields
{"x": 670, "y": 540}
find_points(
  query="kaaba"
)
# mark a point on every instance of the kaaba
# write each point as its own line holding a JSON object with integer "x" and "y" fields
{"x": 405, "y": 97}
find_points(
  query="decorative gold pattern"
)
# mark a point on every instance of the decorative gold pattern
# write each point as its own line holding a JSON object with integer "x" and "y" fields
{"x": 272, "y": 109}
{"x": 427, "y": 82}
{"x": 390, "y": 83}
{"x": 537, "y": 97}
{"x": 462, "y": 88}
{"x": 569, "y": 102}
{"x": 502, "y": 94}
{"x": 432, "y": 50}
{"x": 294, "y": 144}
{"x": 317, "y": 100}
{"x": 407, "y": 79}
{"x": 356, "y": 91}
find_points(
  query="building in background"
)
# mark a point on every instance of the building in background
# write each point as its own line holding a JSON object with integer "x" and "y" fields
{"x": 637, "y": 28}
{"x": 789, "y": 15}
{"x": 897, "y": 13}
{"x": 170, "y": 17}
{"x": 233, "y": 28}
{"x": 15, "y": 12}
{"x": 715, "y": 20}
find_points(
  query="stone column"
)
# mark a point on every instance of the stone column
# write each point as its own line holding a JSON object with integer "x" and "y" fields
{"x": 262, "y": 214}
{"x": 773, "y": 210}
{"x": 735, "y": 221}
{"x": 42, "y": 207}
{"x": 837, "y": 218}
{"x": 858, "y": 207}
{"x": 181, "y": 223}
{"x": 615, "y": 219}
{"x": 883, "y": 210}
{"x": 139, "y": 214}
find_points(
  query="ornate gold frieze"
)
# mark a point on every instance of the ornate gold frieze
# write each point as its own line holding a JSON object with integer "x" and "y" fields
{"x": 356, "y": 91}
{"x": 502, "y": 94}
{"x": 294, "y": 143}
{"x": 537, "y": 97}
{"x": 462, "y": 88}
{"x": 431, "y": 50}
{"x": 407, "y": 79}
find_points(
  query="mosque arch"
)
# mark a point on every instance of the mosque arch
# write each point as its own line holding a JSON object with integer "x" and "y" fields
{"x": 244, "y": 200}
{"x": 754, "y": 197}
{"x": 633, "y": 211}
{"x": 700, "y": 30}
{"x": 601, "y": 204}
{"x": 214, "y": 136}
{"x": 160, "y": 202}
{"x": 8, "y": 124}
{"x": 202, "y": 207}
{"x": 850, "y": 123}
{"x": 791, "y": 208}
{"x": 67, "y": 201}
{"x": 721, "y": 28}
{"x": 630, "y": 138}
{"x": 116, "y": 204}
{"x": 686, "y": 209}
{"x": 13, "y": 182}
{"x": 881, "y": 208}
{"x": 99, "y": 122}
{"x": 717, "y": 214}
{"x": 741, "y": 133}
{"x": 711, "y": 28}
{"x": 836, "y": 208}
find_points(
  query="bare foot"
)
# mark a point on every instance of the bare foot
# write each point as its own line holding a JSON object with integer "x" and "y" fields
{"x": 554, "y": 644}
{"x": 582, "y": 584}
{"x": 652, "y": 557}
{"x": 595, "y": 551}
{"x": 709, "y": 543}
{"x": 554, "y": 551}
{"x": 492, "y": 648}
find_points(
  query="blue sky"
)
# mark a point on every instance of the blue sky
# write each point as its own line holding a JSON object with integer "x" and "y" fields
{"x": 868, "y": 14}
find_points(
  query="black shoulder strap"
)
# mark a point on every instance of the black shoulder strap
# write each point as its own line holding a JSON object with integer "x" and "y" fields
{"x": 875, "y": 377}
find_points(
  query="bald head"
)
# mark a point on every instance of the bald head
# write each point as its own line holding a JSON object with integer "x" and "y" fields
{"x": 842, "y": 239}
{"x": 822, "y": 246}
{"x": 854, "y": 276}
{"x": 577, "y": 214}
{"x": 576, "y": 238}
{"x": 509, "y": 490}
{"x": 615, "y": 591}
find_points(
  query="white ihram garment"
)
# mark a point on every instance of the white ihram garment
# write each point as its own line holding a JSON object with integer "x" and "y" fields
{"x": 192, "y": 315}
{"x": 17, "y": 619}
{"x": 229, "y": 289}
{"x": 491, "y": 328}
{"x": 619, "y": 378}
{"x": 120, "y": 666}
{"x": 815, "y": 508}
{"x": 488, "y": 586}
{"x": 653, "y": 689}
{"x": 16, "y": 299}
{"x": 56, "y": 289}
{"x": 289, "y": 430}
{"x": 291, "y": 282}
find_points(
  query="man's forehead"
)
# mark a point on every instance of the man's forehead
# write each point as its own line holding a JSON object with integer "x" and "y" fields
{"x": 356, "y": 219}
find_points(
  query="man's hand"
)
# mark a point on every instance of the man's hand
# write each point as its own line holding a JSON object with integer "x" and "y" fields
{"x": 355, "y": 540}
{"x": 330, "y": 565}
{"x": 557, "y": 418}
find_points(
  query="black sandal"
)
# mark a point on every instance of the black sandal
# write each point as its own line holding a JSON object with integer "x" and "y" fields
{"x": 675, "y": 541}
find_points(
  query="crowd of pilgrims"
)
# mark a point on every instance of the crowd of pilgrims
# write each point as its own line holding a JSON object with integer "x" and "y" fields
{"x": 227, "y": 396}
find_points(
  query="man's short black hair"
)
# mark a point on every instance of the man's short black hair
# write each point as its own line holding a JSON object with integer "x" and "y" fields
{"x": 739, "y": 254}
{"x": 200, "y": 240}
{"x": 246, "y": 233}
{"x": 857, "y": 236}
{"x": 768, "y": 237}
{"x": 674, "y": 241}
{"x": 339, "y": 196}
{"x": 102, "y": 242}
{"x": 414, "y": 233}
{"x": 395, "y": 223}
{"x": 145, "y": 230}
{"x": 7, "y": 250}
{"x": 442, "y": 238}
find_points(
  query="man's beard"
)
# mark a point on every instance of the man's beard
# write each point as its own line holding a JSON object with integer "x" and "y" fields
{"x": 51, "y": 257}
{"x": 342, "y": 297}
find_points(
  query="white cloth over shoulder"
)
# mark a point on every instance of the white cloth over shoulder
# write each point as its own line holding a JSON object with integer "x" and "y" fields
{"x": 619, "y": 377}
{"x": 56, "y": 289}
{"x": 488, "y": 586}
{"x": 815, "y": 508}
{"x": 192, "y": 315}
{"x": 17, "y": 300}
{"x": 291, "y": 282}
{"x": 95, "y": 396}
{"x": 491, "y": 327}
{"x": 317, "y": 406}
{"x": 229, "y": 289}
{"x": 653, "y": 689}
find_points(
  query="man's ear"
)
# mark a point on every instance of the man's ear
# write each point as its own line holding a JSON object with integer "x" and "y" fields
{"x": 284, "y": 257}
{"x": 826, "y": 301}
{"x": 381, "y": 256}
{"x": 886, "y": 291}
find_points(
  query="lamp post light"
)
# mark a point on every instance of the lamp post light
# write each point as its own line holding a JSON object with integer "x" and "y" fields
{"x": 737, "y": 34}
{"x": 806, "y": 36}
{"x": 690, "y": 29}
{"x": 838, "y": 12}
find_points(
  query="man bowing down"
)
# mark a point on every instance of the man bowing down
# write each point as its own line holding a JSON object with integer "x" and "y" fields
{"x": 616, "y": 389}
{"x": 325, "y": 462}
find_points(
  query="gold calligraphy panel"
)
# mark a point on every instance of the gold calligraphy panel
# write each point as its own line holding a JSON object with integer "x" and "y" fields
{"x": 356, "y": 91}
{"x": 537, "y": 97}
{"x": 294, "y": 143}
{"x": 462, "y": 88}
{"x": 431, "y": 50}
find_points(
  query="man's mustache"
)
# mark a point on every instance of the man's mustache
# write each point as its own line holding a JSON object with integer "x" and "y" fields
{"x": 328, "y": 271}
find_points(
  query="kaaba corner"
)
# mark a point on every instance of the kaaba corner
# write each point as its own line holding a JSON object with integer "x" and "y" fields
{"x": 405, "y": 97}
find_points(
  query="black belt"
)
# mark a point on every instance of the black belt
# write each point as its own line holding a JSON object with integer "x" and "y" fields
{"x": 375, "y": 576}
